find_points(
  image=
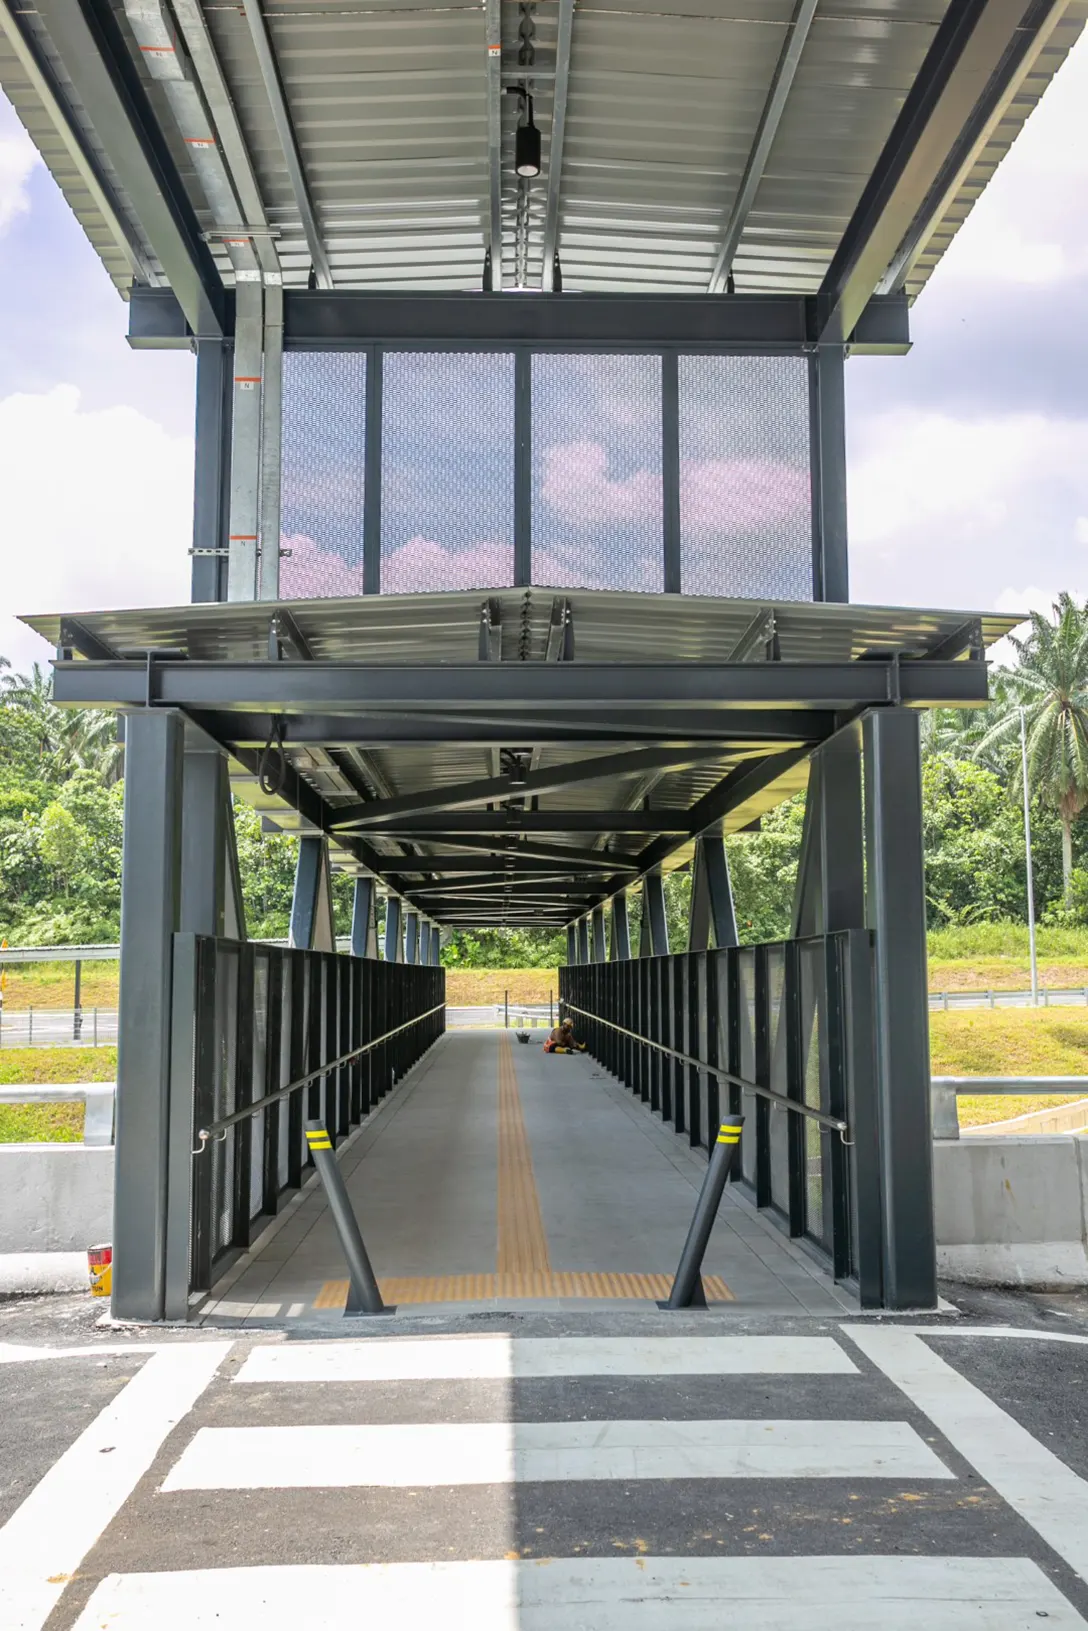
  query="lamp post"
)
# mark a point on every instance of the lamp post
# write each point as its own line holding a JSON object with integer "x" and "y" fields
{"x": 1027, "y": 853}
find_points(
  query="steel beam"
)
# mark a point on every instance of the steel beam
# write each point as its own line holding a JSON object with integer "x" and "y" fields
{"x": 88, "y": 41}
{"x": 289, "y": 688}
{"x": 574, "y": 865}
{"x": 982, "y": 48}
{"x": 585, "y": 727}
{"x": 150, "y": 911}
{"x": 515, "y": 848}
{"x": 789, "y": 61}
{"x": 281, "y": 119}
{"x": 555, "y": 141}
{"x": 364, "y": 928}
{"x": 896, "y": 911}
{"x": 348, "y": 320}
{"x": 493, "y": 789}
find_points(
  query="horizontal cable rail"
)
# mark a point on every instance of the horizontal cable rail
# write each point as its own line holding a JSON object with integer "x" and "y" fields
{"x": 214, "y": 1128}
{"x": 831, "y": 1122}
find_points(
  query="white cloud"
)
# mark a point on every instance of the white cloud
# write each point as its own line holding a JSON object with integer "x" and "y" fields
{"x": 95, "y": 512}
{"x": 18, "y": 156}
{"x": 1026, "y": 227}
{"x": 918, "y": 470}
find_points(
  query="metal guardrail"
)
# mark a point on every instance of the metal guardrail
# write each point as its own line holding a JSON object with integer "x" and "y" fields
{"x": 1058, "y": 996}
{"x": 99, "y": 1098}
{"x": 945, "y": 1090}
{"x": 833, "y": 1123}
{"x": 58, "y": 1027}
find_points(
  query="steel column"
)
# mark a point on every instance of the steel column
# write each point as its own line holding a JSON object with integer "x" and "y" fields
{"x": 572, "y": 944}
{"x": 394, "y": 935}
{"x": 245, "y": 463}
{"x": 597, "y": 935}
{"x": 723, "y": 917}
{"x": 150, "y": 904}
{"x": 211, "y": 466}
{"x": 895, "y": 879}
{"x": 827, "y": 422}
{"x": 583, "y": 940}
{"x": 268, "y": 566}
{"x": 653, "y": 911}
{"x": 621, "y": 930}
{"x": 311, "y": 905}
{"x": 203, "y": 841}
{"x": 670, "y": 469}
{"x": 411, "y": 937}
{"x": 364, "y": 930}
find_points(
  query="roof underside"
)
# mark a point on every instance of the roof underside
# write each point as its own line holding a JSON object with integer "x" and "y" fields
{"x": 683, "y": 140}
{"x": 517, "y": 758}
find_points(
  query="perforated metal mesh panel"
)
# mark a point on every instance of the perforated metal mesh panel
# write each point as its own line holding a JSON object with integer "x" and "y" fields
{"x": 321, "y": 520}
{"x": 745, "y": 493}
{"x": 597, "y": 508}
{"x": 447, "y": 471}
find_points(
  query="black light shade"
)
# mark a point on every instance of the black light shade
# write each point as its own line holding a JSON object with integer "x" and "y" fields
{"x": 527, "y": 146}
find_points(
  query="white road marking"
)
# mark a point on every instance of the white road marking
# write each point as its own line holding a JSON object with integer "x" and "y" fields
{"x": 501, "y": 1357}
{"x": 446, "y": 1454}
{"x": 17, "y": 1353}
{"x": 607, "y": 1594}
{"x": 47, "y": 1537}
{"x": 990, "y": 1331}
{"x": 1034, "y": 1482}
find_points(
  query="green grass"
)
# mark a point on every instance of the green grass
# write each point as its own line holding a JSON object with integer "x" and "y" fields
{"x": 41, "y": 1065}
{"x": 41, "y": 1123}
{"x": 49, "y": 1123}
{"x": 1009, "y": 1042}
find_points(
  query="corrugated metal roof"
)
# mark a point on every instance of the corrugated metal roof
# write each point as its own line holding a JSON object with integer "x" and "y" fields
{"x": 389, "y": 105}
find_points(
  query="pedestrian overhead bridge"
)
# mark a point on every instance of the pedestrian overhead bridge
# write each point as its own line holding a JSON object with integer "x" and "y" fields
{"x": 520, "y": 578}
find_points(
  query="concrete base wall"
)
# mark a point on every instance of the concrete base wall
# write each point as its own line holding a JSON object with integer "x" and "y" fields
{"x": 55, "y": 1197}
{"x": 1012, "y": 1211}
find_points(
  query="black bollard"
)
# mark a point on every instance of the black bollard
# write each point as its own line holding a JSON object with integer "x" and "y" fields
{"x": 687, "y": 1287}
{"x": 364, "y": 1296}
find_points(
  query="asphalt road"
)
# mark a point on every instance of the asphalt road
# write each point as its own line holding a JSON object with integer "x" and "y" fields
{"x": 485, "y": 1472}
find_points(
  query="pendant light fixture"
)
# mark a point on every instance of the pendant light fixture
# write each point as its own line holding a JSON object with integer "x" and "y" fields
{"x": 526, "y": 138}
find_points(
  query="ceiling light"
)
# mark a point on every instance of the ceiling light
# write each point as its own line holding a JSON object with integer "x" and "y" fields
{"x": 527, "y": 144}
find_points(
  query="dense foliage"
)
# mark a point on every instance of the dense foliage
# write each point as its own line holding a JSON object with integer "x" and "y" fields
{"x": 61, "y": 792}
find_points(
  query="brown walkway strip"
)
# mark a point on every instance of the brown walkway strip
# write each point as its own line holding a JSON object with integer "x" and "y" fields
{"x": 523, "y": 1245}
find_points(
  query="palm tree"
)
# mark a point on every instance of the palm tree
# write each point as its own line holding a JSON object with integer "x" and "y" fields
{"x": 1050, "y": 682}
{"x": 32, "y": 695}
{"x": 67, "y": 738}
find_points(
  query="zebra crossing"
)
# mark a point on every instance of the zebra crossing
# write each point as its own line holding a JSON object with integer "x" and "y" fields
{"x": 532, "y": 1483}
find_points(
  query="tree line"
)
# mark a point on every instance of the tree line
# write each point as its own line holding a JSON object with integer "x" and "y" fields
{"x": 62, "y": 784}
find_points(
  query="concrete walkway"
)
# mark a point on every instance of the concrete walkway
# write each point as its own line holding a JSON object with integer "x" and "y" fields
{"x": 496, "y": 1174}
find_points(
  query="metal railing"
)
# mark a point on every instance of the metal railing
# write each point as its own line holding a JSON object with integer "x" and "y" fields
{"x": 945, "y": 1090}
{"x": 270, "y": 1038}
{"x": 779, "y": 1034}
{"x": 98, "y": 1097}
{"x": 835, "y": 1123}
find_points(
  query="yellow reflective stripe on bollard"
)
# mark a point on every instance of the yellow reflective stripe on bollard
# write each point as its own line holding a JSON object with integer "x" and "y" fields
{"x": 729, "y": 1138}
{"x": 319, "y": 1140}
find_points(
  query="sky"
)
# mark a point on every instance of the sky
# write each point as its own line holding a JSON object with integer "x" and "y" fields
{"x": 968, "y": 459}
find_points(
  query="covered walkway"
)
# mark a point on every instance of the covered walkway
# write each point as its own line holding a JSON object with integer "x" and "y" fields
{"x": 496, "y": 1173}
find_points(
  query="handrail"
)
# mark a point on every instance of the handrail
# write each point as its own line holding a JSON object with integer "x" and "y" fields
{"x": 214, "y": 1128}
{"x": 831, "y": 1122}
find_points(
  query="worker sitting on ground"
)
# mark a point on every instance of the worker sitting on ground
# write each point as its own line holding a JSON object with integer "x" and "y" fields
{"x": 562, "y": 1040}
